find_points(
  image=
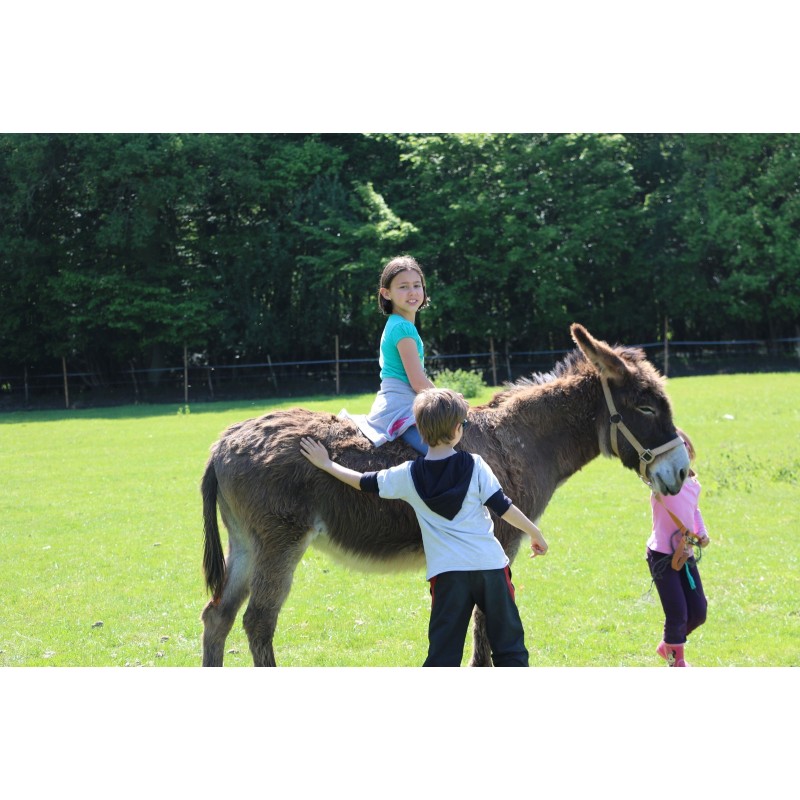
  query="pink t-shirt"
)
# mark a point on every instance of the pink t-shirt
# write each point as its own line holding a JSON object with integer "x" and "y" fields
{"x": 684, "y": 506}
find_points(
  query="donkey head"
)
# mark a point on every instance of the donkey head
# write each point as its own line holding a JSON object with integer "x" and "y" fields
{"x": 636, "y": 417}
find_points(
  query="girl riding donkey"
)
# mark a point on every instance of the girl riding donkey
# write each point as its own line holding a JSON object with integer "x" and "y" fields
{"x": 401, "y": 294}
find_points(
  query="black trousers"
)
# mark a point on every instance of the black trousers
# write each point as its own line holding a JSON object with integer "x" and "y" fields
{"x": 453, "y": 596}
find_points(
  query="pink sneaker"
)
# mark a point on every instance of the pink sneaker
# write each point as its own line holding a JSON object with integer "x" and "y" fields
{"x": 672, "y": 654}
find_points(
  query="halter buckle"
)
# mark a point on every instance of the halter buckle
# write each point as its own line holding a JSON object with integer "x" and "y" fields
{"x": 615, "y": 419}
{"x": 646, "y": 456}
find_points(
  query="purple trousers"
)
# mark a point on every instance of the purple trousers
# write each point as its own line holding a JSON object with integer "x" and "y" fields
{"x": 684, "y": 607}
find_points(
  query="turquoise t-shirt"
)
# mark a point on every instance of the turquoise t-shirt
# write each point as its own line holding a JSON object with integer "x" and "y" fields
{"x": 391, "y": 364}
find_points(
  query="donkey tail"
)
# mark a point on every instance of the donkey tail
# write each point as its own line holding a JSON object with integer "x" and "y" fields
{"x": 213, "y": 557}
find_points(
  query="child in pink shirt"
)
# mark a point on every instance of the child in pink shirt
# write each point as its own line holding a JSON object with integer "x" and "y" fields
{"x": 681, "y": 590}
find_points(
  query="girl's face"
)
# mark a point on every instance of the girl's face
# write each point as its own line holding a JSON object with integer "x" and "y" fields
{"x": 405, "y": 293}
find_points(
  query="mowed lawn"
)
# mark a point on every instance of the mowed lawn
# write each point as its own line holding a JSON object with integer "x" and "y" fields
{"x": 101, "y": 546}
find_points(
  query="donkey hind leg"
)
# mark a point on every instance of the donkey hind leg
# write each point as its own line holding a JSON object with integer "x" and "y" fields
{"x": 273, "y": 571}
{"x": 218, "y": 618}
{"x": 481, "y": 649}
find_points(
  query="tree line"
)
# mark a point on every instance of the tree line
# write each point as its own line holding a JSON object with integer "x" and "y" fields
{"x": 117, "y": 251}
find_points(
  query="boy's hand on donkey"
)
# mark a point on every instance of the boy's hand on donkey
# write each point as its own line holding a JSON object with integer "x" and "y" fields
{"x": 314, "y": 452}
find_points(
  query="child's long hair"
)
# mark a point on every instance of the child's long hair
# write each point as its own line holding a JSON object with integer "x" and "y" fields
{"x": 390, "y": 271}
{"x": 689, "y": 449}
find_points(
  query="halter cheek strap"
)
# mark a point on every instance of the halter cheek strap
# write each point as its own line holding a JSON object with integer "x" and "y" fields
{"x": 646, "y": 456}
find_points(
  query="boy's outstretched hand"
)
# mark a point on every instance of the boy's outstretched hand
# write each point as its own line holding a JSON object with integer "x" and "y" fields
{"x": 315, "y": 452}
{"x": 537, "y": 549}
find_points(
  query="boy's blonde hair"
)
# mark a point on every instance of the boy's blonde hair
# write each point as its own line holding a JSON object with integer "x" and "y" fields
{"x": 438, "y": 413}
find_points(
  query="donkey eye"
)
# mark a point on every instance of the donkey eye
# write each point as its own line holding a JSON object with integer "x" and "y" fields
{"x": 646, "y": 410}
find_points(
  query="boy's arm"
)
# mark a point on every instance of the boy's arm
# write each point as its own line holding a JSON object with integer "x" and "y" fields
{"x": 516, "y": 518}
{"x": 318, "y": 456}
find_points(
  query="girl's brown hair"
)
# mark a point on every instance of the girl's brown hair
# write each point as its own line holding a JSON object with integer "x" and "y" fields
{"x": 688, "y": 442}
{"x": 390, "y": 271}
{"x": 689, "y": 447}
{"x": 438, "y": 413}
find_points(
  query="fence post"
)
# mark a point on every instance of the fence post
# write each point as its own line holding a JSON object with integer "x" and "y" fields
{"x": 66, "y": 384}
{"x": 210, "y": 383}
{"x": 494, "y": 364}
{"x": 185, "y": 376}
{"x": 135, "y": 383}
{"x": 666, "y": 345}
{"x": 272, "y": 373}
{"x": 336, "y": 339}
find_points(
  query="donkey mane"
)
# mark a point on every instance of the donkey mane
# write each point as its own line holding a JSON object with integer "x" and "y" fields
{"x": 574, "y": 362}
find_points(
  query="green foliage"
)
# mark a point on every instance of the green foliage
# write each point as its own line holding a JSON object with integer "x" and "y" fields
{"x": 520, "y": 230}
{"x": 102, "y": 524}
{"x": 467, "y": 382}
{"x": 739, "y": 207}
{"x": 117, "y": 250}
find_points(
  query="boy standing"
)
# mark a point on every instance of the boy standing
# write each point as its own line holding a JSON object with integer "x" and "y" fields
{"x": 466, "y": 564}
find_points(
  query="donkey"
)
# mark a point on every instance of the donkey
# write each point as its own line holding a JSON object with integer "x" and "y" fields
{"x": 534, "y": 434}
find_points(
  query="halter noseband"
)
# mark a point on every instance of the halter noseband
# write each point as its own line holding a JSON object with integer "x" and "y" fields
{"x": 646, "y": 457}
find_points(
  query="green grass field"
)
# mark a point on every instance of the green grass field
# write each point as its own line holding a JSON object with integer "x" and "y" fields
{"x": 101, "y": 542}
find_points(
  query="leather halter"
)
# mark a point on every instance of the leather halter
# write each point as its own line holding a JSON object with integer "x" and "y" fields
{"x": 646, "y": 457}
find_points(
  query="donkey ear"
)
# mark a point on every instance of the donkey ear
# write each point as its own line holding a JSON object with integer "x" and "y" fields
{"x": 598, "y": 353}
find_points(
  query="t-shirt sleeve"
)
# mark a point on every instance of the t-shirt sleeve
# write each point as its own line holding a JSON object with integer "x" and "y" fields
{"x": 487, "y": 482}
{"x": 490, "y": 491}
{"x": 403, "y": 330}
{"x": 699, "y": 524}
{"x": 393, "y": 482}
{"x": 498, "y": 503}
{"x": 369, "y": 482}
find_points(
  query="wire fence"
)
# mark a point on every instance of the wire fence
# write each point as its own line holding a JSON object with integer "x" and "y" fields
{"x": 192, "y": 382}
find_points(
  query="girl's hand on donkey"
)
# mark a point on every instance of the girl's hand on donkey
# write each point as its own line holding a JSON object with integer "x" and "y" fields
{"x": 314, "y": 452}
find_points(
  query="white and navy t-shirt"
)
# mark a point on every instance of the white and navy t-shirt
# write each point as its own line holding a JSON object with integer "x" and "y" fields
{"x": 451, "y": 498}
